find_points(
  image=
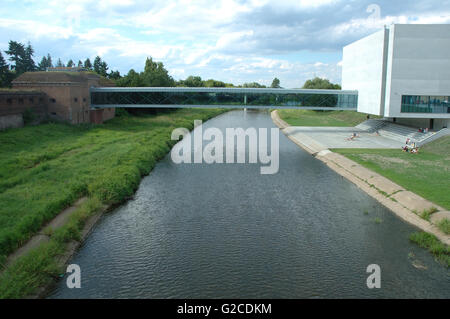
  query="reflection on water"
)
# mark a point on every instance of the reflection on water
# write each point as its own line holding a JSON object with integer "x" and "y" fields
{"x": 226, "y": 231}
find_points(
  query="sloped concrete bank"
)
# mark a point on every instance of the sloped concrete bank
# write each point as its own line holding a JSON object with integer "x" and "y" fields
{"x": 394, "y": 197}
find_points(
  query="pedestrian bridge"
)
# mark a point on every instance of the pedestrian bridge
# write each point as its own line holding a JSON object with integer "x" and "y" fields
{"x": 182, "y": 97}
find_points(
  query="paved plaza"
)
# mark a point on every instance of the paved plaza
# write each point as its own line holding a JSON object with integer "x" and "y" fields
{"x": 337, "y": 137}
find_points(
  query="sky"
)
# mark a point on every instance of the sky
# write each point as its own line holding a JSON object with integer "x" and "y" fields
{"x": 234, "y": 41}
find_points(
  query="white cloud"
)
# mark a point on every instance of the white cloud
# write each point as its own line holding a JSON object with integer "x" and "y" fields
{"x": 230, "y": 40}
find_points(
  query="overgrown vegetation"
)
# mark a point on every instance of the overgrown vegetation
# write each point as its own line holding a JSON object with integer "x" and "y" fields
{"x": 444, "y": 226}
{"x": 426, "y": 174}
{"x": 40, "y": 266}
{"x": 322, "y": 118}
{"x": 46, "y": 168}
{"x": 426, "y": 214}
{"x": 430, "y": 242}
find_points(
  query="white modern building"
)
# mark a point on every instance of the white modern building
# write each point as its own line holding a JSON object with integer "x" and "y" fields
{"x": 402, "y": 73}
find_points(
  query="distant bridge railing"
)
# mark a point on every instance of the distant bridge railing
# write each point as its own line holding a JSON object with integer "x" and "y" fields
{"x": 182, "y": 97}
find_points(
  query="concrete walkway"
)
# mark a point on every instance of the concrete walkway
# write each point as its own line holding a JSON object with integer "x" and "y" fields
{"x": 400, "y": 201}
{"x": 337, "y": 137}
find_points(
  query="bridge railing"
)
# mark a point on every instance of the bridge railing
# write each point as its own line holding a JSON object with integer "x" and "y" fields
{"x": 223, "y": 97}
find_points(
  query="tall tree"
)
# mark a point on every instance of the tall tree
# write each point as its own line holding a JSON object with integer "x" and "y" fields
{"x": 16, "y": 52}
{"x": 275, "y": 84}
{"x": 156, "y": 75}
{"x": 80, "y": 64}
{"x": 29, "y": 63}
{"x": 5, "y": 74}
{"x": 88, "y": 64}
{"x": 59, "y": 64}
{"x": 100, "y": 67}
{"x": 49, "y": 61}
{"x": 45, "y": 63}
{"x": 70, "y": 64}
{"x": 42, "y": 66}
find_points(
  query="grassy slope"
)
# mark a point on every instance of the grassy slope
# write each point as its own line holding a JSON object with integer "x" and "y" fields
{"x": 315, "y": 118}
{"x": 44, "y": 169}
{"x": 426, "y": 174}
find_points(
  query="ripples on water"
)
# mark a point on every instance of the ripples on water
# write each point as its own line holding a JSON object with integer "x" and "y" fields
{"x": 225, "y": 231}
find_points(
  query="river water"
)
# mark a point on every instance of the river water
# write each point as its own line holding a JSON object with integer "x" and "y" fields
{"x": 226, "y": 231}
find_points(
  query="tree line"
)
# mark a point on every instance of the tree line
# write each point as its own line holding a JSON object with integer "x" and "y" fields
{"x": 155, "y": 74}
{"x": 21, "y": 58}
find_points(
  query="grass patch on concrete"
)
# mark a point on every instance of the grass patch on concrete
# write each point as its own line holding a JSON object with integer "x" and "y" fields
{"x": 426, "y": 174}
{"x": 45, "y": 169}
{"x": 444, "y": 226}
{"x": 426, "y": 214}
{"x": 322, "y": 118}
{"x": 430, "y": 242}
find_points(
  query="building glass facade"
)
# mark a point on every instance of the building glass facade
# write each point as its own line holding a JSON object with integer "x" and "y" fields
{"x": 425, "y": 104}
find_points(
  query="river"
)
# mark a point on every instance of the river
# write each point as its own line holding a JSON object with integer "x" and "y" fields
{"x": 226, "y": 231}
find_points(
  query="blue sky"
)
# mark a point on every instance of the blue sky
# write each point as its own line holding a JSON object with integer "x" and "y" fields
{"x": 232, "y": 40}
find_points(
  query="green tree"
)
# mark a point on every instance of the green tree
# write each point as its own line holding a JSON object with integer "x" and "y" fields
{"x": 49, "y": 61}
{"x": 193, "y": 81}
{"x": 214, "y": 84}
{"x": 253, "y": 85}
{"x": 88, "y": 64}
{"x": 80, "y": 64}
{"x": 275, "y": 84}
{"x": 59, "y": 64}
{"x": 100, "y": 67}
{"x": 114, "y": 75}
{"x": 70, "y": 64}
{"x": 132, "y": 79}
{"x": 321, "y": 84}
{"x": 16, "y": 52}
{"x": 156, "y": 75}
{"x": 5, "y": 74}
{"x": 321, "y": 99}
{"x": 29, "y": 63}
{"x": 45, "y": 63}
{"x": 42, "y": 66}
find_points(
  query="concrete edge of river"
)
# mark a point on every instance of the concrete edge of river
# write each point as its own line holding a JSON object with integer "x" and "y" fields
{"x": 401, "y": 202}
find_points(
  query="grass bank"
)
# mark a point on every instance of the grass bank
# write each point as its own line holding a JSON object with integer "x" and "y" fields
{"x": 426, "y": 174}
{"x": 322, "y": 118}
{"x": 430, "y": 242}
{"x": 46, "y": 168}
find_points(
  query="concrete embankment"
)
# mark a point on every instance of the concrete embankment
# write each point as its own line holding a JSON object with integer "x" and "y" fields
{"x": 400, "y": 201}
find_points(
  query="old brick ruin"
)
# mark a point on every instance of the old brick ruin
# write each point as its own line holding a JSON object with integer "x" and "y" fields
{"x": 61, "y": 96}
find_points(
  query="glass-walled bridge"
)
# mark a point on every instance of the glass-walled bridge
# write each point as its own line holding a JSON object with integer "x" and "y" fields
{"x": 182, "y": 97}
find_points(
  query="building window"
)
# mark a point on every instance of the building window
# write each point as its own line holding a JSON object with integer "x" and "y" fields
{"x": 9, "y": 101}
{"x": 84, "y": 99}
{"x": 75, "y": 100}
{"x": 20, "y": 100}
{"x": 425, "y": 104}
{"x": 53, "y": 100}
{"x": 31, "y": 100}
{"x": 41, "y": 100}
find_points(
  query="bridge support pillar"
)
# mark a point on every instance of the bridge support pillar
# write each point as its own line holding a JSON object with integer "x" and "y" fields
{"x": 96, "y": 116}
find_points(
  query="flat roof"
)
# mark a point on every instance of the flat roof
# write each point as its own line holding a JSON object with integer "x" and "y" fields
{"x": 219, "y": 90}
